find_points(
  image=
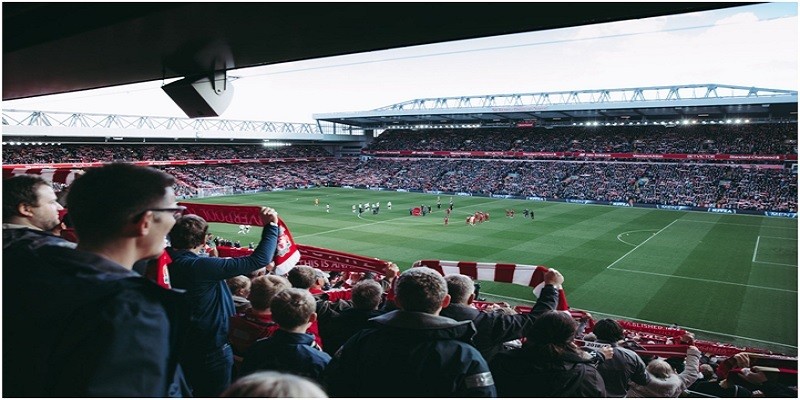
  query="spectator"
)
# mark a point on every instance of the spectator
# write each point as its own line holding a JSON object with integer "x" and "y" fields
{"x": 302, "y": 277}
{"x": 496, "y": 328}
{"x": 709, "y": 384}
{"x": 30, "y": 211}
{"x": 256, "y": 322}
{"x": 240, "y": 290}
{"x": 290, "y": 349}
{"x": 207, "y": 356}
{"x": 79, "y": 322}
{"x": 664, "y": 381}
{"x": 624, "y": 366}
{"x": 762, "y": 380}
{"x": 272, "y": 384}
{"x": 431, "y": 354}
{"x": 550, "y": 364}
{"x": 367, "y": 296}
{"x": 305, "y": 277}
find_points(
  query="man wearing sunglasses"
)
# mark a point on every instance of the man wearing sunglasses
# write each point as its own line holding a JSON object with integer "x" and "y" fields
{"x": 208, "y": 357}
{"x": 79, "y": 322}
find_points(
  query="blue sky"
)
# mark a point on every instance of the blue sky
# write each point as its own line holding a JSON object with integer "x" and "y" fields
{"x": 748, "y": 46}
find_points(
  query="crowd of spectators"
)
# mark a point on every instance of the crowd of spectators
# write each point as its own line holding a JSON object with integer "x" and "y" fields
{"x": 680, "y": 184}
{"x": 108, "y": 152}
{"x": 123, "y": 331}
{"x": 652, "y": 139}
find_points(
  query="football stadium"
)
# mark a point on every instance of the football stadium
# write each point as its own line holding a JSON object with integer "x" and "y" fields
{"x": 638, "y": 240}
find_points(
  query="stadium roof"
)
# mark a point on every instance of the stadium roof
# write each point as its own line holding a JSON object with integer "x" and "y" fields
{"x": 51, "y": 48}
{"x": 645, "y": 104}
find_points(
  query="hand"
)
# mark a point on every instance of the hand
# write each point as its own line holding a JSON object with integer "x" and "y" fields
{"x": 687, "y": 338}
{"x": 553, "y": 277}
{"x": 391, "y": 271}
{"x": 742, "y": 360}
{"x": 268, "y": 215}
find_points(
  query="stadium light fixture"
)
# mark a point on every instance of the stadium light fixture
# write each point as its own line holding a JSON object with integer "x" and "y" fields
{"x": 738, "y": 121}
{"x": 729, "y": 121}
{"x": 747, "y": 121}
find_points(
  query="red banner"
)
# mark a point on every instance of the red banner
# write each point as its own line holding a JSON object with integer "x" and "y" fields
{"x": 286, "y": 255}
{"x": 324, "y": 259}
{"x": 82, "y": 165}
{"x": 239, "y": 215}
{"x": 567, "y": 154}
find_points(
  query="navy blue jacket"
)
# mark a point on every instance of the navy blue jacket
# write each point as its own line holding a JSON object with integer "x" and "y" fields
{"x": 494, "y": 328}
{"x": 203, "y": 278}
{"x": 343, "y": 326}
{"x": 286, "y": 352}
{"x": 79, "y": 325}
{"x": 429, "y": 355}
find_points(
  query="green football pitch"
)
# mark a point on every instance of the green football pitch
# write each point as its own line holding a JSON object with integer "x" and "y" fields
{"x": 731, "y": 278}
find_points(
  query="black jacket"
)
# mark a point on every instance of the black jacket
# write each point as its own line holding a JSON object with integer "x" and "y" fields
{"x": 494, "y": 328}
{"x": 623, "y": 367}
{"x": 345, "y": 325}
{"x": 79, "y": 325}
{"x": 410, "y": 354}
{"x": 519, "y": 373}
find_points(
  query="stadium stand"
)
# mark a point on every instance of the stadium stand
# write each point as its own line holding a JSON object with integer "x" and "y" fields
{"x": 757, "y": 185}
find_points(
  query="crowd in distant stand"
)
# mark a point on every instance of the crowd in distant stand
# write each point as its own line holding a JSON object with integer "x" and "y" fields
{"x": 684, "y": 184}
{"x": 107, "y": 152}
{"x": 674, "y": 183}
{"x": 693, "y": 139}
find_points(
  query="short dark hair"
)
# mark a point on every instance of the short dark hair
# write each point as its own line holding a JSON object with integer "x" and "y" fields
{"x": 292, "y": 307}
{"x": 366, "y": 295}
{"x": 608, "y": 330}
{"x": 302, "y": 276}
{"x": 103, "y": 200}
{"x": 551, "y": 335}
{"x": 20, "y": 189}
{"x": 264, "y": 288}
{"x": 420, "y": 289}
{"x": 188, "y": 232}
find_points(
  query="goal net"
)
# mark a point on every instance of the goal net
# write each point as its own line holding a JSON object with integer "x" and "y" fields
{"x": 214, "y": 191}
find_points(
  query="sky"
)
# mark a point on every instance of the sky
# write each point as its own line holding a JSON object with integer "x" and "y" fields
{"x": 745, "y": 46}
